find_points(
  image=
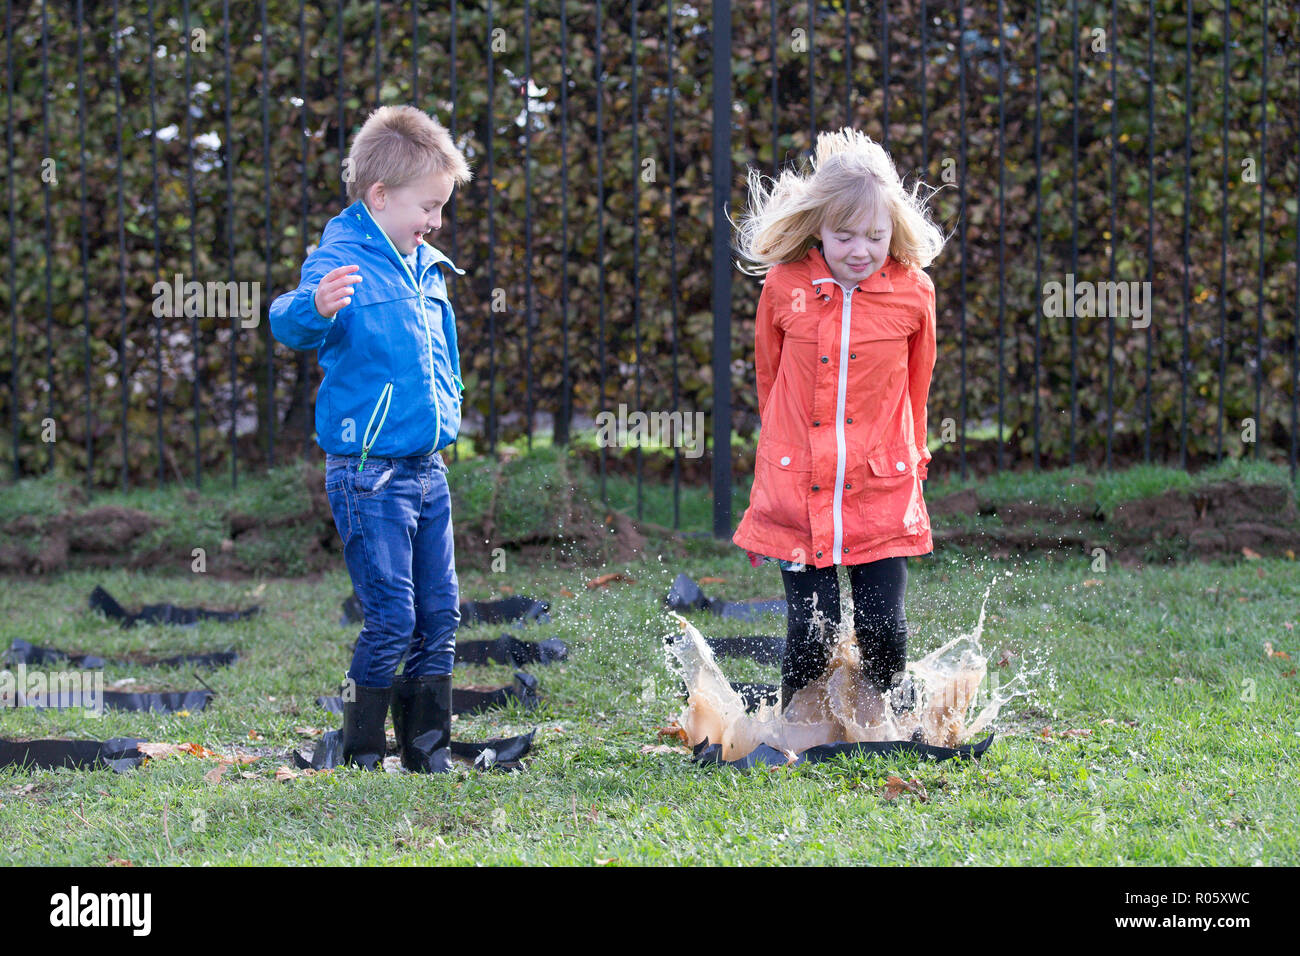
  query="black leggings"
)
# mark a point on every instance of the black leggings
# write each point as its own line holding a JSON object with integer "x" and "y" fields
{"x": 878, "y": 620}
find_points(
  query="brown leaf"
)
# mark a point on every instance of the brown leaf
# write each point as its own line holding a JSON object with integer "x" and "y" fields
{"x": 1046, "y": 731}
{"x": 895, "y": 787}
{"x": 1076, "y": 732}
{"x": 712, "y": 581}
{"x": 215, "y": 774}
{"x": 254, "y": 735}
{"x": 1250, "y": 553}
{"x": 605, "y": 580}
{"x": 673, "y": 730}
{"x": 283, "y": 773}
{"x": 1091, "y": 582}
{"x": 157, "y": 751}
{"x": 1290, "y": 673}
{"x": 506, "y": 589}
{"x": 1007, "y": 657}
{"x": 308, "y": 731}
{"x": 118, "y": 861}
{"x": 567, "y": 593}
{"x": 606, "y": 860}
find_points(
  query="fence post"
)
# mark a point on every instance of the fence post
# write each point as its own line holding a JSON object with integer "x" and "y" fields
{"x": 721, "y": 269}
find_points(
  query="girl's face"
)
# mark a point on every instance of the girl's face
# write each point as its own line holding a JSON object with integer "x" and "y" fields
{"x": 858, "y": 250}
{"x": 410, "y": 211}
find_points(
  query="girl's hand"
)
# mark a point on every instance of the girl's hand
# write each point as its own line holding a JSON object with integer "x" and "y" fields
{"x": 335, "y": 290}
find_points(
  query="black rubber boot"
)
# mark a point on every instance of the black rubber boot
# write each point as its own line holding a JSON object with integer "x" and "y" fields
{"x": 363, "y": 727}
{"x": 422, "y": 721}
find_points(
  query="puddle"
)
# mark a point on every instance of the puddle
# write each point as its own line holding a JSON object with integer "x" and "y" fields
{"x": 956, "y": 697}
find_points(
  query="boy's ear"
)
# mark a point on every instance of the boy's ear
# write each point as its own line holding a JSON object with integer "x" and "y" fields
{"x": 376, "y": 196}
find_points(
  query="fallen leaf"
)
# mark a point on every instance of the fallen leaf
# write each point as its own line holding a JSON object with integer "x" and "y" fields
{"x": 567, "y": 593}
{"x": 308, "y": 731}
{"x": 215, "y": 774}
{"x": 1109, "y": 720}
{"x": 605, "y": 861}
{"x": 1007, "y": 657}
{"x": 605, "y": 580}
{"x": 1076, "y": 732}
{"x": 254, "y": 735}
{"x": 712, "y": 581}
{"x": 1250, "y": 553}
{"x": 1046, "y": 731}
{"x": 1091, "y": 582}
{"x": 1290, "y": 673}
{"x": 283, "y": 773}
{"x": 673, "y": 730}
{"x": 197, "y": 750}
{"x": 117, "y": 861}
{"x": 895, "y": 787}
{"x": 506, "y": 589}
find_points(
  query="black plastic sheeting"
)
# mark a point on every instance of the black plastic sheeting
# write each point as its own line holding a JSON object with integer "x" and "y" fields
{"x": 752, "y": 695}
{"x": 505, "y": 611}
{"x": 164, "y": 702}
{"x": 508, "y": 649}
{"x": 464, "y": 701}
{"x": 499, "y": 753}
{"x": 685, "y": 595}
{"x": 707, "y": 753}
{"x": 101, "y": 600}
{"x": 758, "y": 647}
{"x": 23, "y": 652}
{"x": 118, "y": 754}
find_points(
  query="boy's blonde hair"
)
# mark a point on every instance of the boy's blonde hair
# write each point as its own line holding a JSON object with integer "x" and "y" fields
{"x": 398, "y": 145}
{"x": 850, "y": 174}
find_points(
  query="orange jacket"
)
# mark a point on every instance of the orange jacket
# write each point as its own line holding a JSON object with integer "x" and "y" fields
{"x": 843, "y": 380}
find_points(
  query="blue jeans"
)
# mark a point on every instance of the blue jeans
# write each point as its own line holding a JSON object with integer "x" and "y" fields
{"x": 394, "y": 516}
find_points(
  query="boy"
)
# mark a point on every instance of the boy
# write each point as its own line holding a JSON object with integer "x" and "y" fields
{"x": 372, "y": 299}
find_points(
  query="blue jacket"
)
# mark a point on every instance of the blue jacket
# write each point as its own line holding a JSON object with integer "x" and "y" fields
{"x": 392, "y": 385}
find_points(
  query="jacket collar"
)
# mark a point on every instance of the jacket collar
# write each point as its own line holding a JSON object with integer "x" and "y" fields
{"x": 359, "y": 216}
{"x": 819, "y": 274}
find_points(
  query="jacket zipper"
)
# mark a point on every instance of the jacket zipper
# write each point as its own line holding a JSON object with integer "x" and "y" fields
{"x": 840, "y": 444}
{"x": 385, "y": 396}
{"x": 428, "y": 338}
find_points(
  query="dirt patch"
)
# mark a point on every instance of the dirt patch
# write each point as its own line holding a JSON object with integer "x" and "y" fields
{"x": 1224, "y": 520}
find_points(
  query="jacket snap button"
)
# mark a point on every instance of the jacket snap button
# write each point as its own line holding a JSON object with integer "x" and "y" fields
{"x": 846, "y": 549}
{"x": 817, "y": 488}
{"x": 901, "y": 467}
{"x": 819, "y": 554}
{"x": 816, "y": 424}
{"x": 785, "y": 459}
{"x": 853, "y": 355}
{"x": 847, "y": 486}
{"x": 848, "y": 421}
{"x": 825, "y": 359}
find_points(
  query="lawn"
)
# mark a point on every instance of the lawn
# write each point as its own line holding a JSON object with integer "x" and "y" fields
{"x": 1189, "y": 756}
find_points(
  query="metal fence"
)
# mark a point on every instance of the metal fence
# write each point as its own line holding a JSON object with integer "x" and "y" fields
{"x": 207, "y": 140}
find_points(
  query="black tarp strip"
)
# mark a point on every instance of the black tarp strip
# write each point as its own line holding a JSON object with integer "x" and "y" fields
{"x": 508, "y": 649}
{"x": 23, "y": 652}
{"x": 157, "y": 703}
{"x": 504, "y": 611}
{"x": 101, "y": 600}
{"x": 118, "y": 754}
{"x": 707, "y": 753}
{"x": 685, "y": 595}
{"x": 752, "y": 695}
{"x": 506, "y": 751}
{"x": 463, "y": 701}
{"x": 758, "y": 647}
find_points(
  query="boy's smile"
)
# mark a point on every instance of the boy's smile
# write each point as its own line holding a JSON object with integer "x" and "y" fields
{"x": 859, "y": 249}
{"x": 408, "y": 212}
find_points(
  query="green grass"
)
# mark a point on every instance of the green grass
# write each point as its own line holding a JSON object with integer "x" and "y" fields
{"x": 1206, "y": 776}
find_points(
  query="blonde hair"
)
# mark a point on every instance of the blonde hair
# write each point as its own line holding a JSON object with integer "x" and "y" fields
{"x": 398, "y": 145}
{"x": 851, "y": 174}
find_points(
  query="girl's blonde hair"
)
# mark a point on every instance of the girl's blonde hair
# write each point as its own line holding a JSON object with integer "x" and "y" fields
{"x": 851, "y": 174}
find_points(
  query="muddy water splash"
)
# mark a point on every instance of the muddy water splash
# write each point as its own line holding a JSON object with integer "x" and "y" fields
{"x": 842, "y": 706}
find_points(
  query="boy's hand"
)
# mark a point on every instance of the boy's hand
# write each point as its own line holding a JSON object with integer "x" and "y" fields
{"x": 335, "y": 290}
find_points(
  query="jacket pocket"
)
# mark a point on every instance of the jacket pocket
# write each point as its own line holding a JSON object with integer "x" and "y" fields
{"x": 782, "y": 479}
{"x": 889, "y": 503}
{"x": 379, "y": 415}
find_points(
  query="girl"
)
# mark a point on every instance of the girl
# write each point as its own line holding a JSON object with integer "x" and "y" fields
{"x": 844, "y": 348}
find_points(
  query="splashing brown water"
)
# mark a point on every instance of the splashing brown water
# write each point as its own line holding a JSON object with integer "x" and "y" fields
{"x": 841, "y": 706}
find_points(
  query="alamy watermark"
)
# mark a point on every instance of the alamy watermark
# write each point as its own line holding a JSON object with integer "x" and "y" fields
{"x": 1085, "y": 299}
{"x": 66, "y": 690}
{"x": 683, "y": 430}
{"x": 180, "y": 299}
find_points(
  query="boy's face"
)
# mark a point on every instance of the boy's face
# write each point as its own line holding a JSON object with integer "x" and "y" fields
{"x": 410, "y": 211}
{"x": 858, "y": 250}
